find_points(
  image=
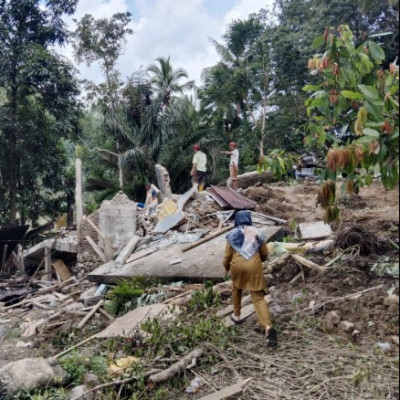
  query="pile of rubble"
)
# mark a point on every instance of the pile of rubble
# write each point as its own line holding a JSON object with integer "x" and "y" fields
{"x": 70, "y": 274}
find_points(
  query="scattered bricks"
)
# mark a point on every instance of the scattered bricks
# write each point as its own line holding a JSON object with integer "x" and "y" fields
{"x": 390, "y": 300}
{"x": 333, "y": 317}
{"x": 395, "y": 340}
{"x": 346, "y": 326}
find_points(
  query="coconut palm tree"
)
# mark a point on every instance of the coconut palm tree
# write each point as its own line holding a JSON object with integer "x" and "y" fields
{"x": 166, "y": 80}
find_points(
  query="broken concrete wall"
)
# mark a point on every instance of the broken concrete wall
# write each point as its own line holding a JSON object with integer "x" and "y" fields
{"x": 118, "y": 219}
{"x": 163, "y": 181}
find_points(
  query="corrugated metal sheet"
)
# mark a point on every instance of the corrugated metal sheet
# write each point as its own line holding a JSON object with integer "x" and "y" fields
{"x": 232, "y": 198}
{"x": 218, "y": 198}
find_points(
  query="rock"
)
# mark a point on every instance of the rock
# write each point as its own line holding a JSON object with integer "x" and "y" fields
{"x": 333, "y": 317}
{"x": 390, "y": 300}
{"x": 346, "y": 326}
{"x": 393, "y": 309}
{"x": 327, "y": 326}
{"x": 92, "y": 380}
{"x": 29, "y": 374}
{"x": 395, "y": 340}
{"x": 79, "y": 391}
{"x": 384, "y": 346}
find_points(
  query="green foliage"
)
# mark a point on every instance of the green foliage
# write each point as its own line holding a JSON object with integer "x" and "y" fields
{"x": 204, "y": 299}
{"x": 39, "y": 107}
{"x": 75, "y": 366}
{"x": 360, "y": 97}
{"x": 47, "y": 394}
{"x": 129, "y": 294}
{"x": 278, "y": 162}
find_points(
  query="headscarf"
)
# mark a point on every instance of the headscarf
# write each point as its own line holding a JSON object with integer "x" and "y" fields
{"x": 245, "y": 238}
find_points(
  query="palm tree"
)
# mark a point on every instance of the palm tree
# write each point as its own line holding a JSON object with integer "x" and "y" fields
{"x": 166, "y": 81}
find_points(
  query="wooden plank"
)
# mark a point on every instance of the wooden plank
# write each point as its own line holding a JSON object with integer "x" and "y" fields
{"x": 207, "y": 238}
{"x": 127, "y": 250}
{"x": 62, "y": 270}
{"x": 229, "y": 392}
{"x": 97, "y": 249}
{"x": 128, "y": 324}
{"x": 140, "y": 254}
{"x": 90, "y": 315}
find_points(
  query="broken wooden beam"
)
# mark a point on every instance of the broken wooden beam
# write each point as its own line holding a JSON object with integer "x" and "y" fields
{"x": 62, "y": 271}
{"x": 229, "y": 392}
{"x": 90, "y": 315}
{"x": 207, "y": 238}
{"x": 97, "y": 249}
{"x": 127, "y": 250}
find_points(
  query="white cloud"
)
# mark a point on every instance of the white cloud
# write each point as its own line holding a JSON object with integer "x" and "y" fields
{"x": 175, "y": 28}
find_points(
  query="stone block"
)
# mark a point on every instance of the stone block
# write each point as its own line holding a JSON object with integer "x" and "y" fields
{"x": 333, "y": 317}
{"x": 346, "y": 326}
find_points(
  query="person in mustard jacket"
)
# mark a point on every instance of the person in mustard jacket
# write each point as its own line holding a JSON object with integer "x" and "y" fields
{"x": 245, "y": 252}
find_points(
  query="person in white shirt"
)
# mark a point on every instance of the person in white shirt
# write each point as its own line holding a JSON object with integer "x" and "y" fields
{"x": 233, "y": 164}
{"x": 199, "y": 167}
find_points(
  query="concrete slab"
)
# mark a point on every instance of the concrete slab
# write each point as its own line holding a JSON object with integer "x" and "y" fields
{"x": 67, "y": 244}
{"x": 169, "y": 222}
{"x": 129, "y": 324}
{"x": 198, "y": 264}
{"x": 314, "y": 230}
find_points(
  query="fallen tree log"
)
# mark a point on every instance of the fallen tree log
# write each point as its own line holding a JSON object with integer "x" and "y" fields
{"x": 307, "y": 263}
{"x": 186, "y": 362}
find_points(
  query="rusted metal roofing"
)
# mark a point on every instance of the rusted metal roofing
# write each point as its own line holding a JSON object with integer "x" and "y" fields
{"x": 218, "y": 198}
{"x": 227, "y": 197}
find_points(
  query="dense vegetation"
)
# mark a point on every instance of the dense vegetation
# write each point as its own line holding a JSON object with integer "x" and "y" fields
{"x": 253, "y": 95}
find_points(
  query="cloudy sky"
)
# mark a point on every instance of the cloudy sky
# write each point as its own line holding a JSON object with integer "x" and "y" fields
{"x": 176, "y": 28}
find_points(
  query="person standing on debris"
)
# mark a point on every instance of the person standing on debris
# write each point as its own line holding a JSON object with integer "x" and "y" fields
{"x": 233, "y": 164}
{"x": 199, "y": 167}
{"x": 150, "y": 188}
{"x": 245, "y": 252}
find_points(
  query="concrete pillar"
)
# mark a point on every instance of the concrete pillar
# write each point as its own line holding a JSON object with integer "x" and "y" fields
{"x": 163, "y": 181}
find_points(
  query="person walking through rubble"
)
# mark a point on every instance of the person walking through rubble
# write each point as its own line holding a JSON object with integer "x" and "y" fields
{"x": 233, "y": 164}
{"x": 245, "y": 252}
{"x": 199, "y": 168}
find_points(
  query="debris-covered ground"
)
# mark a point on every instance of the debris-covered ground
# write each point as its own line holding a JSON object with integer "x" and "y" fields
{"x": 335, "y": 301}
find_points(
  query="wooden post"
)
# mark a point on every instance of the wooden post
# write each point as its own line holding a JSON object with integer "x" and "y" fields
{"x": 47, "y": 264}
{"x": 4, "y": 257}
{"x": 78, "y": 194}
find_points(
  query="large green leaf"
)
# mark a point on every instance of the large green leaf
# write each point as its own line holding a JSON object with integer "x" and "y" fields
{"x": 318, "y": 42}
{"x": 376, "y": 51}
{"x": 352, "y": 95}
{"x": 310, "y": 88}
{"x": 371, "y": 132}
{"x": 369, "y": 92}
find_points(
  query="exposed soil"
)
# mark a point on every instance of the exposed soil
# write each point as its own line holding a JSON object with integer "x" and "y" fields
{"x": 313, "y": 350}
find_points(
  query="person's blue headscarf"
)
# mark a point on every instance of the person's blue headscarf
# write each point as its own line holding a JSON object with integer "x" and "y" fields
{"x": 245, "y": 239}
